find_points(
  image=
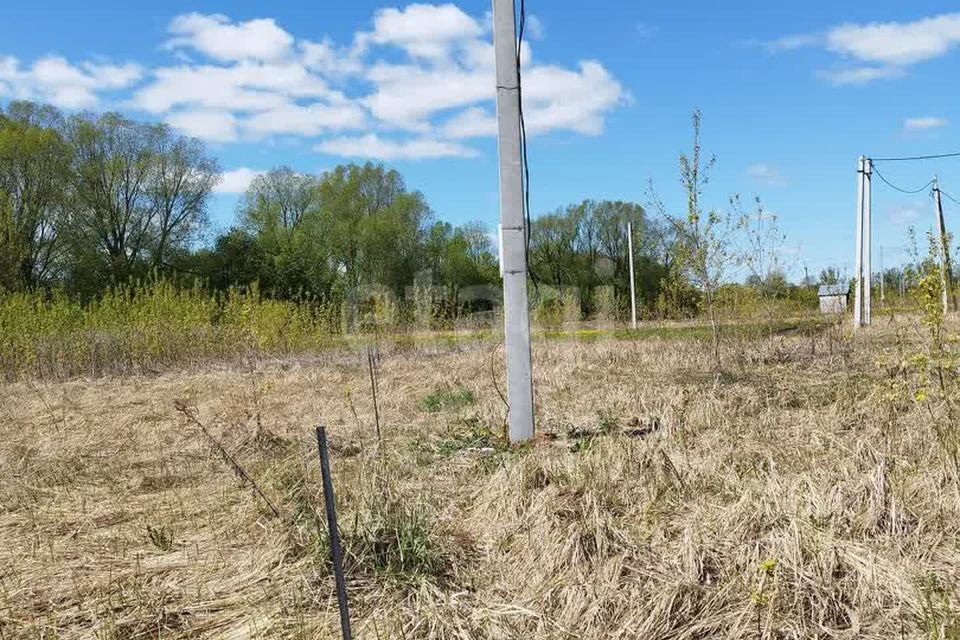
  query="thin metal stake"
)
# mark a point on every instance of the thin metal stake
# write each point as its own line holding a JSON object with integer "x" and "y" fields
{"x": 372, "y": 364}
{"x": 633, "y": 282}
{"x": 335, "y": 551}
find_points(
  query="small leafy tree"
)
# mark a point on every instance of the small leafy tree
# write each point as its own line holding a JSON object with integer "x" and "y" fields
{"x": 763, "y": 254}
{"x": 830, "y": 275}
{"x": 706, "y": 239}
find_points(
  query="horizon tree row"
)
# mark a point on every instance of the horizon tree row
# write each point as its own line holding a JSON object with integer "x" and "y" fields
{"x": 90, "y": 201}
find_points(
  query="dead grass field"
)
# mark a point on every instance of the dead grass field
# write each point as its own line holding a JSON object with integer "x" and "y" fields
{"x": 804, "y": 493}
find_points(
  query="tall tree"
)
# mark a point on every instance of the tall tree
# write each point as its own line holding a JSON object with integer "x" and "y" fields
{"x": 139, "y": 192}
{"x": 585, "y": 246}
{"x": 554, "y": 249}
{"x": 376, "y": 226}
{"x": 460, "y": 256}
{"x": 183, "y": 178}
{"x": 278, "y": 200}
{"x": 281, "y": 211}
{"x": 34, "y": 178}
{"x": 113, "y": 211}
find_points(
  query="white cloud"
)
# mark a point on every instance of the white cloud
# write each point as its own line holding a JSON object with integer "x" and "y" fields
{"x": 111, "y": 76}
{"x": 924, "y": 123}
{"x": 219, "y": 38}
{"x": 879, "y": 50}
{"x": 557, "y": 98}
{"x": 407, "y": 95}
{"x": 237, "y": 180}
{"x": 375, "y": 147}
{"x": 475, "y": 122}
{"x": 766, "y": 175}
{"x": 327, "y": 58}
{"x": 534, "y": 28}
{"x": 897, "y": 43}
{"x": 308, "y": 120}
{"x": 789, "y": 43}
{"x": 853, "y": 76}
{"x": 247, "y": 86}
{"x": 423, "y": 30}
{"x": 55, "y": 80}
{"x": 418, "y": 82}
{"x": 905, "y": 214}
{"x": 209, "y": 124}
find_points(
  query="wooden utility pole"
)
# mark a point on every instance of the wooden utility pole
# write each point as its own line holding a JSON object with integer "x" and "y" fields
{"x": 946, "y": 267}
{"x": 513, "y": 229}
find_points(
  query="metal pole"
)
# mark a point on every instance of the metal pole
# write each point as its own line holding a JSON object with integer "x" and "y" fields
{"x": 946, "y": 275}
{"x": 335, "y": 551}
{"x": 513, "y": 224}
{"x": 633, "y": 284}
{"x": 867, "y": 241}
{"x": 858, "y": 304}
{"x": 883, "y": 277}
{"x": 372, "y": 365}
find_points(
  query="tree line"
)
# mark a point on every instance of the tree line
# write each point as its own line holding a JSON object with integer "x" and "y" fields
{"x": 90, "y": 201}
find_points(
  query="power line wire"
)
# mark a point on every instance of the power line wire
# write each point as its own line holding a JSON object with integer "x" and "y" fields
{"x": 900, "y": 189}
{"x": 910, "y": 158}
{"x": 523, "y": 150}
{"x": 944, "y": 193}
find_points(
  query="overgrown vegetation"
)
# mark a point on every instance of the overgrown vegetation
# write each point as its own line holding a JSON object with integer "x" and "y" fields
{"x": 745, "y": 470}
{"x": 152, "y": 326}
{"x": 94, "y": 207}
{"x": 808, "y": 494}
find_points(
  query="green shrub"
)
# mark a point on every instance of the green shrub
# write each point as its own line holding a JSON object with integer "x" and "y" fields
{"x": 447, "y": 398}
{"x": 150, "y": 325}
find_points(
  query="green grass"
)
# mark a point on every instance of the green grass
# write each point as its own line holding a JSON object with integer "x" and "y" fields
{"x": 446, "y": 398}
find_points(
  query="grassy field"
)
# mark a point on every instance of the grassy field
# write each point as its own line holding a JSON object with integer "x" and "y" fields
{"x": 809, "y": 490}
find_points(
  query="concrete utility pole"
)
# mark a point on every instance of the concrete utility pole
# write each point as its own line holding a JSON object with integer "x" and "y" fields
{"x": 864, "y": 267}
{"x": 946, "y": 268}
{"x": 513, "y": 225}
{"x": 867, "y": 241}
{"x": 633, "y": 284}
{"x": 858, "y": 296}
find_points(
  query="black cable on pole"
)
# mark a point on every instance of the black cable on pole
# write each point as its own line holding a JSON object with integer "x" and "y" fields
{"x": 900, "y": 189}
{"x": 523, "y": 150}
{"x": 950, "y": 197}
{"x": 910, "y": 158}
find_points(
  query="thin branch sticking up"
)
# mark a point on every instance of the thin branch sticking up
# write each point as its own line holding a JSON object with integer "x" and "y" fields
{"x": 189, "y": 413}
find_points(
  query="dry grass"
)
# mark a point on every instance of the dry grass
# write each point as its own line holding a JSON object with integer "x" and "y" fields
{"x": 802, "y": 494}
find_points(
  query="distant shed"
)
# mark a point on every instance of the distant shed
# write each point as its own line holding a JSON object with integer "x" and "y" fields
{"x": 833, "y": 298}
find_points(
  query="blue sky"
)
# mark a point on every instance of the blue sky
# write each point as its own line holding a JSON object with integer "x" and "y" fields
{"x": 791, "y": 94}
